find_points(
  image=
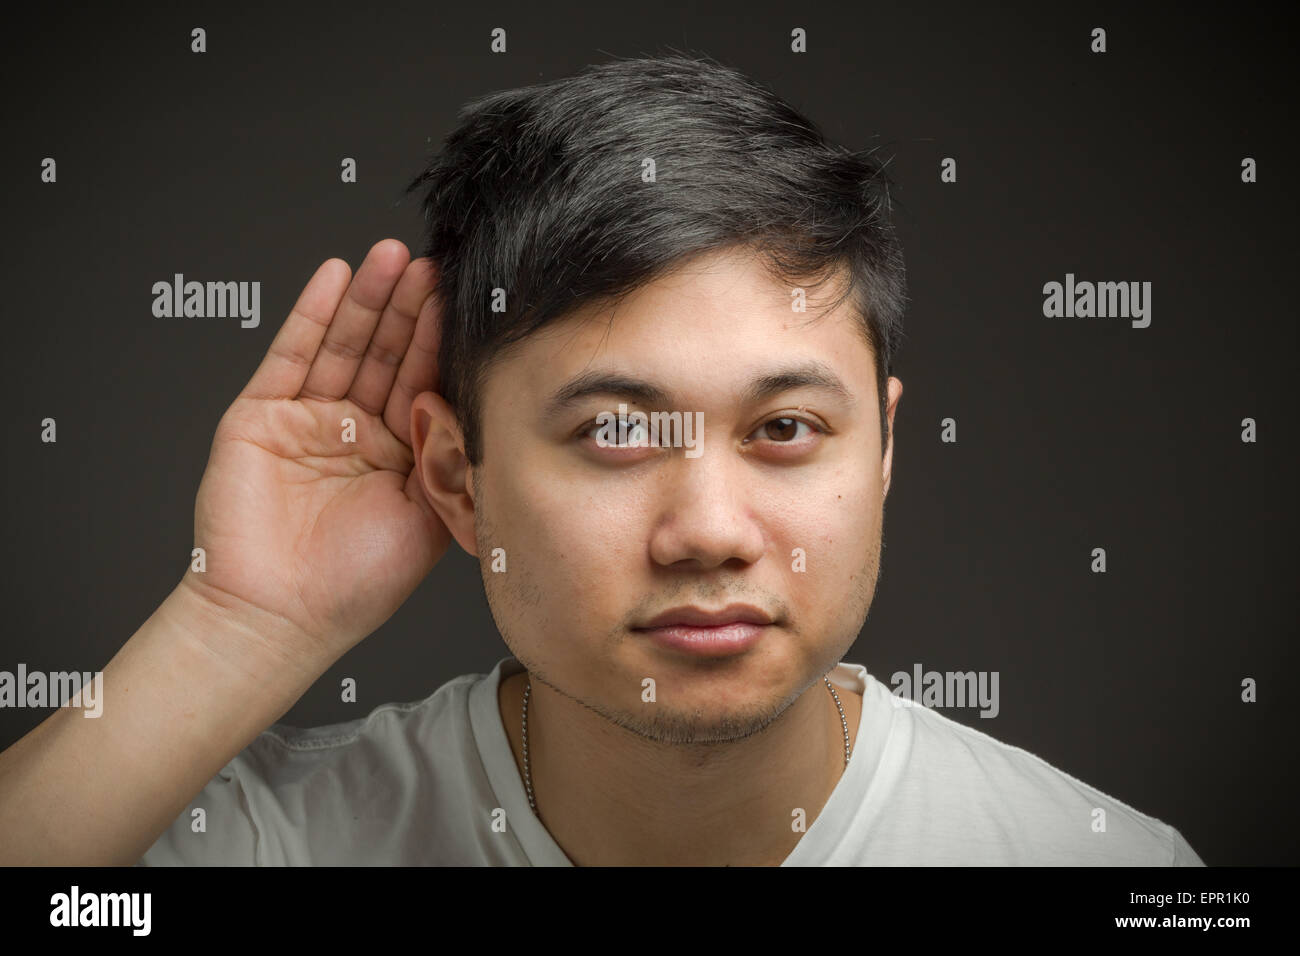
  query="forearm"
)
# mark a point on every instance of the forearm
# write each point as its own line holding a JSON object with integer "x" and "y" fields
{"x": 190, "y": 690}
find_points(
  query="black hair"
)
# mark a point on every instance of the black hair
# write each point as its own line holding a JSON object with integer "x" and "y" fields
{"x": 539, "y": 191}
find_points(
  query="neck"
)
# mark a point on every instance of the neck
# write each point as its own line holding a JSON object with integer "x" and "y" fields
{"x": 609, "y": 797}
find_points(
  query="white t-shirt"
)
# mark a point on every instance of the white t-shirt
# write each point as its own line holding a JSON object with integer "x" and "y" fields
{"x": 418, "y": 783}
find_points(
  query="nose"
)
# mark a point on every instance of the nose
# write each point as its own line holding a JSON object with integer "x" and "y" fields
{"x": 706, "y": 512}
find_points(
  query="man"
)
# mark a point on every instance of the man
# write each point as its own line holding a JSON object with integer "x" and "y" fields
{"x": 650, "y": 243}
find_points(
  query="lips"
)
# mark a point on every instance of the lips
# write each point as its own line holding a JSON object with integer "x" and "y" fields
{"x": 699, "y": 617}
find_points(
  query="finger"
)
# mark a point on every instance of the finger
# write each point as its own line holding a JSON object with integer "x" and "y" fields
{"x": 348, "y": 335}
{"x": 419, "y": 371}
{"x": 374, "y": 380}
{"x": 284, "y": 367}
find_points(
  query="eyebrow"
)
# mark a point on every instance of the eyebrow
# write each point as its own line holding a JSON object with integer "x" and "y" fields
{"x": 810, "y": 374}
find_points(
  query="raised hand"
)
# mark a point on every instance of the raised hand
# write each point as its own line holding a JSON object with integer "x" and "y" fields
{"x": 326, "y": 536}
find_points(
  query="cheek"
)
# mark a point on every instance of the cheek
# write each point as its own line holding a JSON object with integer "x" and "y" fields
{"x": 834, "y": 527}
{"x": 575, "y": 544}
{"x": 825, "y": 513}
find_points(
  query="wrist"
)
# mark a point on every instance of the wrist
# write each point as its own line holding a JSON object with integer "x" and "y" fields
{"x": 245, "y": 637}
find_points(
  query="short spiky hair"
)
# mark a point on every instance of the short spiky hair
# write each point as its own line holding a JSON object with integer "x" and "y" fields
{"x": 539, "y": 191}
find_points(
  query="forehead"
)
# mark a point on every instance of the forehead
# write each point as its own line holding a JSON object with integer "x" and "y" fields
{"x": 703, "y": 330}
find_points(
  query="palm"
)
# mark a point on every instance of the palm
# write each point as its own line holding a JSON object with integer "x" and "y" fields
{"x": 330, "y": 534}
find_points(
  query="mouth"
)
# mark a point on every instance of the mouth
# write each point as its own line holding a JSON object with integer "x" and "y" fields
{"x": 703, "y": 633}
{"x": 721, "y": 640}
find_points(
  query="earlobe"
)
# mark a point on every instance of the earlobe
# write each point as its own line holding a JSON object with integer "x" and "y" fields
{"x": 895, "y": 394}
{"x": 441, "y": 467}
{"x": 887, "y": 464}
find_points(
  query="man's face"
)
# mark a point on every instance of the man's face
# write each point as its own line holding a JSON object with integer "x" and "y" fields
{"x": 599, "y": 540}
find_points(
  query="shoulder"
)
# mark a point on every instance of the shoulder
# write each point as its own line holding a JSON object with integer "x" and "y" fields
{"x": 407, "y": 741}
{"x": 341, "y": 794}
{"x": 388, "y": 721}
{"x": 999, "y": 803}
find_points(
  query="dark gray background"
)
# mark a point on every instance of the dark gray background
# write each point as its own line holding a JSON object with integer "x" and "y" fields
{"x": 1073, "y": 433}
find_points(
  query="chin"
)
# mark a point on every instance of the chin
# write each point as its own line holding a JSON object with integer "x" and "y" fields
{"x": 678, "y": 725}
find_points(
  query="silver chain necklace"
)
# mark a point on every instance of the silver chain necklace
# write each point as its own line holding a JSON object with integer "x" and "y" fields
{"x": 528, "y": 777}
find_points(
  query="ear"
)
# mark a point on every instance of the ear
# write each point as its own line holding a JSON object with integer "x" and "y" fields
{"x": 887, "y": 465}
{"x": 441, "y": 466}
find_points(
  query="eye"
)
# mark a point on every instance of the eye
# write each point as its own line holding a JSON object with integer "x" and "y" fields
{"x": 635, "y": 431}
{"x": 783, "y": 430}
